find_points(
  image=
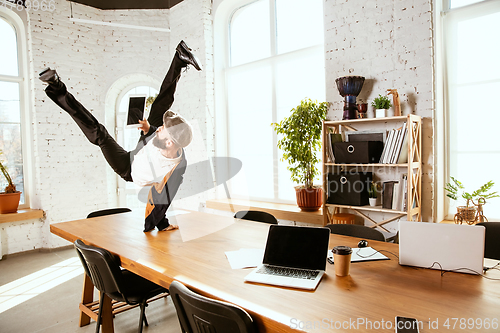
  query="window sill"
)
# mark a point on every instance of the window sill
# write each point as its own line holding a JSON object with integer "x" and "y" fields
{"x": 280, "y": 211}
{"x": 21, "y": 215}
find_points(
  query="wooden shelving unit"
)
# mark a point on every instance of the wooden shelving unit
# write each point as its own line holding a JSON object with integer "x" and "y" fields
{"x": 413, "y": 168}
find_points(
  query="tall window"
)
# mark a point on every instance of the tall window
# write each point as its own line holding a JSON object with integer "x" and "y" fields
{"x": 275, "y": 58}
{"x": 11, "y": 102}
{"x": 128, "y": 138}
{"x": 473, "y": 79}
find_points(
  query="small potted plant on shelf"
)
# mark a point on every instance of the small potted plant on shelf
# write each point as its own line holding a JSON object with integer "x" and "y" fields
{"x": 372, "y": 193}
{"x": 301, "y": 143}
{"x": 381, "y": 105}
{"x": 475, "y": 199}
{"x": 9, "y": 198}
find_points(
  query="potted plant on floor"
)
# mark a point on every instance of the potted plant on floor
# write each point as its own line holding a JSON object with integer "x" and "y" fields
{"x": 467, "y": 213}
{"x": 9, "y": 199}
{"x": 300, "y": 143}
{"x": 381, "y": 105}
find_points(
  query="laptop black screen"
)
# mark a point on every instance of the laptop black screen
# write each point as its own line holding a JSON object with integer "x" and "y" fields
{"x": 298, "y": 247}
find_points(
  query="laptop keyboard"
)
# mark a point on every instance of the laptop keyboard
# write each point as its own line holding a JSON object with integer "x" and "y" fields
{"x": 289, "y": 272}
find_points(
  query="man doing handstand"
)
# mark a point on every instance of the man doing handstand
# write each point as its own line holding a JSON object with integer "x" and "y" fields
{"x": 158, "y": 160}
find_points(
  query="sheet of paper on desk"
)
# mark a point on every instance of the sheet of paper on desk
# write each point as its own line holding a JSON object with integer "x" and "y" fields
{"x": 245, "y": 258}
{"x": 362, "y": 254}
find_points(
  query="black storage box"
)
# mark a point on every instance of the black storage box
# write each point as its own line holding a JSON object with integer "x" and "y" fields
{"x": 348, "y": 188}
{"x": 358, "y": 152}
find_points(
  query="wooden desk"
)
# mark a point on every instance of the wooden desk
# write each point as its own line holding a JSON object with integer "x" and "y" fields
{"x": 373, "y": 294}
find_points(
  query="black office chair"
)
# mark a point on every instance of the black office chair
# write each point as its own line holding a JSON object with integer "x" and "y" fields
{"x": 355, "y": 230}
{"x": 109, "y": 211}
{"x": 119, "y": 284}
{"x": 492, "y": 240}
{"x": 393, "y": 239}
{"x": 255, "y": 215}
{"x": 199, "y": 314}
{"x": 117, "y": 306}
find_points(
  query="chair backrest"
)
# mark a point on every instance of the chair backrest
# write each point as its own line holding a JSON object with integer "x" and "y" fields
{"x": 255, "y": 215}
{"x": 491, "y": 240}
{"x": 108, "y": 212}
{"x": 355, "y": 230}
{"x": 102, "y": 267}
{"x": 199, "y": 314}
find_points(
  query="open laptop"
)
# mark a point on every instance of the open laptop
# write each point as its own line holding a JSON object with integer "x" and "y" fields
{"x": 450, "y": 247}
{"x": 294, "y": 257}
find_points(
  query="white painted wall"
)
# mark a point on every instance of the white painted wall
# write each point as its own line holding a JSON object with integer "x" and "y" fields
{"x": 388, "y": 42}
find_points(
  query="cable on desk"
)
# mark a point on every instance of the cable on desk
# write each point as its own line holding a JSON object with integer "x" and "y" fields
{"x": 492, "y": 267}
{"x": 460, "y": 269}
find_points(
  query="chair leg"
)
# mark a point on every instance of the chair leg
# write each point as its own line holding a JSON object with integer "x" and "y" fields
{"x": 101, "y": 302}
{"x": 143, "y": 316}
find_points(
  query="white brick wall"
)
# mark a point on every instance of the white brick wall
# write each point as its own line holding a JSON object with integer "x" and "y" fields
{"x": 387, "y": 42}
{"x": 390, "y": 44}
{"x": 21, "y": 236}
{"x": 70, "y": 173}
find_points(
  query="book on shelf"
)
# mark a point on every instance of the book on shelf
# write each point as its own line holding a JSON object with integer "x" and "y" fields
{"x": 404, "y": 193}
{"x": 394, "y": 147}
{"x": 396, "y": 143}
{"x": 403, "y": 156}
{"x": 388, "y": 143}
{"x": 399, "y": 193}
{"x": 331, "y": 140}
{"x": 396, "y": 196}
{"x": 399, "y": 144}
{"x": 329, "y": 147}
{"x": 387, "y": 193}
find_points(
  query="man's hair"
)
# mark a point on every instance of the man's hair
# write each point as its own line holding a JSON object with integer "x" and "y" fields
{"x": 178, "y": 128}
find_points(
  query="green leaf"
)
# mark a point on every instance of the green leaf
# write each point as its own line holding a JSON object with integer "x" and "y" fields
{"x": 300, "y": 139}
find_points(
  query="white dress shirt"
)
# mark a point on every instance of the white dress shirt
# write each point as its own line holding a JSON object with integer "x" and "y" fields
{"x": 150, "y": 166}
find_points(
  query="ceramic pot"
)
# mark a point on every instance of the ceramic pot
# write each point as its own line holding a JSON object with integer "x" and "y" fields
{"x": 373, "y": 201}
{"x": 380, "y": 113}
{"x": 309, "y": 199}
{"x": 9, "y": 202}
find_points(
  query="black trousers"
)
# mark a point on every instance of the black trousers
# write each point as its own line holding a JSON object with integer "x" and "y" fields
{"x": 118, "y": 158}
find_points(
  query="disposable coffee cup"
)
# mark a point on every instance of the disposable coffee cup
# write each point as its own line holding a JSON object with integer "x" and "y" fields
{"x": 342, "y": 260}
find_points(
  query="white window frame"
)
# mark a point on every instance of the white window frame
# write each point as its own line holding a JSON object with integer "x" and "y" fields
{"x": 22, "y": 79}
{"x": 222, "y": 23}
{"x": 120, "y": 131}
{"x": 443, "y": 112}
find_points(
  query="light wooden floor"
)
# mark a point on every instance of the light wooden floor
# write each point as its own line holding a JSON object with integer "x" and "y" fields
{"x": 56, "y": 310}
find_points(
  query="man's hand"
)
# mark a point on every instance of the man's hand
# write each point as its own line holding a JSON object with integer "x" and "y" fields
{"x": 144, "y": 126}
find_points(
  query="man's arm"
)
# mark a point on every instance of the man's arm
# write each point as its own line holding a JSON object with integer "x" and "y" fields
{"x": 146, "y": 129}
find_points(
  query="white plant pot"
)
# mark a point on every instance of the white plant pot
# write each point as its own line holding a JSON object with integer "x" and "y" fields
{"x": 373, "y": 201}
{"x": 380, "y": 113}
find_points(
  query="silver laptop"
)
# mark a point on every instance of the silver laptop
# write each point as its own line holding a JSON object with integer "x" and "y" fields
{"x": 294, "y": 257}
{"x": 450, "y": 247}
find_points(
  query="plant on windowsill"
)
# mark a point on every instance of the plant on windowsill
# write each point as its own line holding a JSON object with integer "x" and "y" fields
{"x": 467, "y": 213}
{"x": 300, "y": 143}
{"x": 9, "y": 199}
{"x": 381, "y": 105}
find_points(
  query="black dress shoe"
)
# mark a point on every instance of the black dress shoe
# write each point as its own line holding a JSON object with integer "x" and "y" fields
{"x": 50, "y": 76}
{"x": 185, "y": 54}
